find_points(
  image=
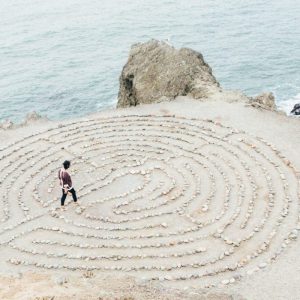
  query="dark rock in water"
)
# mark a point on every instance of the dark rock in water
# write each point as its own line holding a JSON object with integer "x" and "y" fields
{"x": 156, "y": 71}
{"x": 31, "y": 118}
{"x": 296, "y": 109}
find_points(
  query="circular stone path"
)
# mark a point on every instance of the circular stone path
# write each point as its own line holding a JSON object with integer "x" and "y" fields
{"x": 184, "y": 201}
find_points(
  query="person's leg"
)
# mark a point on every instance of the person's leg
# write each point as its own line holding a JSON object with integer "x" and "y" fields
{"x": 73, "y": 192}
{"x": 63, "y": 198}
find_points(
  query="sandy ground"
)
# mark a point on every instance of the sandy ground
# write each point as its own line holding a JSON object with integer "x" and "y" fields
{"x": 45, "y": 287}
{"x": 197, "y": 197}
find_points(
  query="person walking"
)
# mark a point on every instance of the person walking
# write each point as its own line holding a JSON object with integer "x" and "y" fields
{"x": 66, "y": 183}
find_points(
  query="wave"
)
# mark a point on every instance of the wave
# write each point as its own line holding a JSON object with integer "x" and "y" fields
{"x": 287, "y": 105}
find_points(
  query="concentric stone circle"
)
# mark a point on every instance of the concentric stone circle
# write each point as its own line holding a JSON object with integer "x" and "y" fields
{"x": 163, "y": 197}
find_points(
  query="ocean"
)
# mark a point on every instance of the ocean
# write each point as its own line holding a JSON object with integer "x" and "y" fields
{"x": 63, "y": 58}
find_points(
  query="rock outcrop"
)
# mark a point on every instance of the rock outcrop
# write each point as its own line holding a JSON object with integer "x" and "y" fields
{"x": 156, "y": 71}
{"x": 264, "y": 100}
{"x": 33, "y": 117}
{"x": 6, "y": 124}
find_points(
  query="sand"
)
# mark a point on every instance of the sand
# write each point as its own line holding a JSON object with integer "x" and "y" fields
{"x": 179, "y": 195}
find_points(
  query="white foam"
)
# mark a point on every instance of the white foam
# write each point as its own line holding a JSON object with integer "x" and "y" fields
{"x": 287, "y": 105}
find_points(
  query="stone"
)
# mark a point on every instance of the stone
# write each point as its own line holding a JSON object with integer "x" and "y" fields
{"x": 7, "y": 124}
{"x": 293, "y": 235}
{"x": 156, "y": 71}
{"x": 262, "y": 265}
{"x": 78, "y": 210}
{"x": 264, "y": 100}
{"x": 204, "y": 208}
{"x": 33, "y": 117}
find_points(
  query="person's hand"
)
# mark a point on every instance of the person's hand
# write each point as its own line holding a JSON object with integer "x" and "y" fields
{"x": 66, "y": 189}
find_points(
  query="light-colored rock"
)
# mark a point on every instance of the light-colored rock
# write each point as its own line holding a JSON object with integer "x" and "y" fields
{"x": 78, "y": 210}
{"x": 264, "y": 100}
{"x": 7, "y": 124}
{"x": 33, "y": 117}
{"x": 262, "y": 265}
{"x": 157, "y": 72}
{"x": 30, "y": 118}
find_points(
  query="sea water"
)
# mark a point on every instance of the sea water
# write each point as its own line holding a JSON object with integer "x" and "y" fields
{"x": 64, "y": 58}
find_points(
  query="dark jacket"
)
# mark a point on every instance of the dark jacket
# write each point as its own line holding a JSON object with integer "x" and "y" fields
{"x": 64, "y": 178}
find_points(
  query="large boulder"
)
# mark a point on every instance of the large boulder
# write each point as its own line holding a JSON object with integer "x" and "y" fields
{"x": 156, "y": 71}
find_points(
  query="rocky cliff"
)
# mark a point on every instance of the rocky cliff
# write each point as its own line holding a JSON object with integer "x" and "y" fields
{"x": 156, "y": 71}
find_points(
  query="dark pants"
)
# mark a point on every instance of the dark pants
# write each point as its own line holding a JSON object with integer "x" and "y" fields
{"x": 64, "y": 196}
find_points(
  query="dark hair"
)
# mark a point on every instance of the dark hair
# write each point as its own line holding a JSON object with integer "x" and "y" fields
{"x": 66, "y": 164}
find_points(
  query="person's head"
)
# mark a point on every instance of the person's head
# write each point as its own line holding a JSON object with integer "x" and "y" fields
{"x": 66, "y": 164}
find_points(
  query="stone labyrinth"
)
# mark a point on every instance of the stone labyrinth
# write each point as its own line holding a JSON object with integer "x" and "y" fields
{"x": 167, "y": 198}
